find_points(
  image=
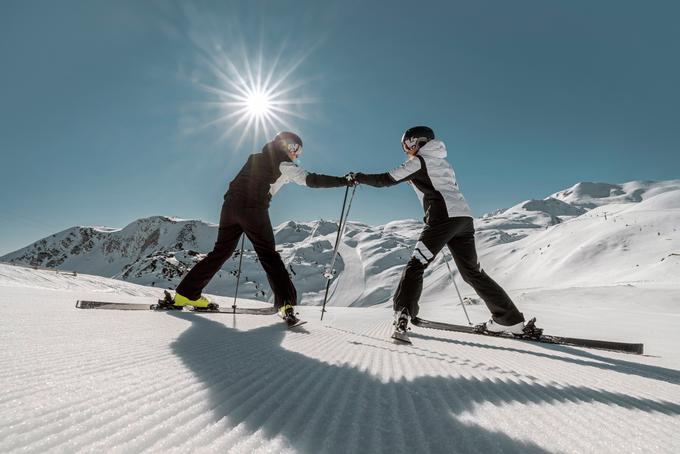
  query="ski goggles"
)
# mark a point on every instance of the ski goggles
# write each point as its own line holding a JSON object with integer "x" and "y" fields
{"x": 294, "y": 148}
{"x": 409, "y": 144}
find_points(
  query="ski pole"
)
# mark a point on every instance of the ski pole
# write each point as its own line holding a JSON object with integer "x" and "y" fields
{"x": 341, "y": 228}
{"x": 456, "y": 286}
{"x": 328, "y": 274}
{"x": 337, "y": 239}
{"x": 238, "y": 274}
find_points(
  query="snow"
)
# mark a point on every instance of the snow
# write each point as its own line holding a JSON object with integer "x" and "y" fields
{"x": 596, "y": 260}
{"x": 120, "y": 381}
{"x": 631, "y": 244}
{"x": 590, "y": 195}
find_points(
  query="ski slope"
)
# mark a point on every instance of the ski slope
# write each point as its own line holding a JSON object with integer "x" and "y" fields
{"x": 119, "y": 381}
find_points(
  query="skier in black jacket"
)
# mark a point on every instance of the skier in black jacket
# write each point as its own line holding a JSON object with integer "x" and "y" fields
{"x": 448, "y": 222}
{"x": 245, "y": 210}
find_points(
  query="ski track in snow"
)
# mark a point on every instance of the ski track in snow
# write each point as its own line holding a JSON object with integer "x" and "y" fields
{"x": 351, "y": 283}
{"x": 119, "y": 381}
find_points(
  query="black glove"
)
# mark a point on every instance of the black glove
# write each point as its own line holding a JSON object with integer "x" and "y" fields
{"x": 351, "y": 180}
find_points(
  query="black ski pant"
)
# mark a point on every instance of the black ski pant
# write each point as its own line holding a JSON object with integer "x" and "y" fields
{"x": 236, "y": 219}
{"x": 459, "y": 235}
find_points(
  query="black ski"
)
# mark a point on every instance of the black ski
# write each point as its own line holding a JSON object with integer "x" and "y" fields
{"x": 83, "y": 304}
{"x": 537, "y": 337}
{"x": 159, "y": 307}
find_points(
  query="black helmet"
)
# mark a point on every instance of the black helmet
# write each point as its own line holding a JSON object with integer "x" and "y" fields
{"x": 419, "y": 135}
{"x": 288, "y": 142}
{"x": 288, "y": 137}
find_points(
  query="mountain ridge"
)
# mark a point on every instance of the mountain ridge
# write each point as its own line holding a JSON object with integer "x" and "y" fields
{"x": 158, "y": 250}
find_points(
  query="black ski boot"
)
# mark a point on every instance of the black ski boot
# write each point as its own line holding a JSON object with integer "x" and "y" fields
{"x": 401, "y": 326}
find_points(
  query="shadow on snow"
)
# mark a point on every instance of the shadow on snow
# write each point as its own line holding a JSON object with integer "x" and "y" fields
{"x": 319, "y": 407}
{"x": 587, "y": 358}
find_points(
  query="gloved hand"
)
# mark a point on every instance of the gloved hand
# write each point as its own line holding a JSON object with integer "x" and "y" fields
{"x": 351, "y": 180}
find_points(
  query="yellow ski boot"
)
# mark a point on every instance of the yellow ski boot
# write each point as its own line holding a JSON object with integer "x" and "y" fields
{"x": 181, "y": 301}
{"x": 287, "y": 313}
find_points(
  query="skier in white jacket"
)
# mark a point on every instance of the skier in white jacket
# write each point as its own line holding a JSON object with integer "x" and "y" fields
{"x": 448, "y": 222}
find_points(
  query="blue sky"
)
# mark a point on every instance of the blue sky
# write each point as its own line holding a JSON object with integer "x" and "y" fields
{"x": 102, "y": 114}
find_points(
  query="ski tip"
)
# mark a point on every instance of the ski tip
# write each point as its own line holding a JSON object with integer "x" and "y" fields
{"x": 401, "y": 338}
{"x": 299, "y": 323}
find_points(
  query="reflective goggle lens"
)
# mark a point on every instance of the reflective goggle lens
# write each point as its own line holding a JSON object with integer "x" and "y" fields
{"x": 409, "y": 144}
{"x": 294, "y": 148}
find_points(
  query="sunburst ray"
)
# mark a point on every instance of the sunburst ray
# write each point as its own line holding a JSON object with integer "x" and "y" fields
{"x": 253, "y": 94}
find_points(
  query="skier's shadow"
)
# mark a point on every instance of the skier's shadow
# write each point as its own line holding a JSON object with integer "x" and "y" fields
{"x": 580, "y": 356}
{"x": 256, "y": 384}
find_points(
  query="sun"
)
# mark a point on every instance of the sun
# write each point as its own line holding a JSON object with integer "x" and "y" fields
{"x": 253, "y": 98}
{"x": 258, "y": 104}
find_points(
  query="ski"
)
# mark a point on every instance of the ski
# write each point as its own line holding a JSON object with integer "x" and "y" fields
{"x": 84, "y": 304}
{"x": 544, "y": 338}
{"x": 401, "y": 336}
{"x": 296, "y": 324}
{"x": 159, "y": 307}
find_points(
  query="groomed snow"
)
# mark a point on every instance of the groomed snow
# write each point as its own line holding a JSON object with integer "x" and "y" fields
{"x": 119, "y": 381}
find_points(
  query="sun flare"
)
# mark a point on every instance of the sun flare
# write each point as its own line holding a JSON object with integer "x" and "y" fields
{"x": 258, "y": 104}
{"x": 254, "y": 100}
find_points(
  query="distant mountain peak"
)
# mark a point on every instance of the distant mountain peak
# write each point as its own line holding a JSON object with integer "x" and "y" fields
{"x": 591, "y": 195}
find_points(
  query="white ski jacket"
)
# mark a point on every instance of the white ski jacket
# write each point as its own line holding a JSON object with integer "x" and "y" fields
{"x": 433, "y": 179}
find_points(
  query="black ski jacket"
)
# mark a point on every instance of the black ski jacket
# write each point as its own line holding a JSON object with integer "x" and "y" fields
{"x": 266, "y": 172}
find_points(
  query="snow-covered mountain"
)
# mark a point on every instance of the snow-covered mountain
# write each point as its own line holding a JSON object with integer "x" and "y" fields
{"x": 591, "y": 195}
{"x": 591, "y": 233}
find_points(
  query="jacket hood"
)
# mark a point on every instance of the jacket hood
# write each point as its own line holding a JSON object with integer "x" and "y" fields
{"x": 434, "y": 149}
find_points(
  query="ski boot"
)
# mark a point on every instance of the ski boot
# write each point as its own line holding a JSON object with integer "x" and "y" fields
{"x": 287, "y": 313}
{"x": 200, "y": 304}
{"x": 401, "y": 326}
{"x": 165, "y": 304}
{"x": 531, "y": 331}
{"x": 401, "y": 320}
{"x": 496, "y": 328}
{"x": 528, "y": 330}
